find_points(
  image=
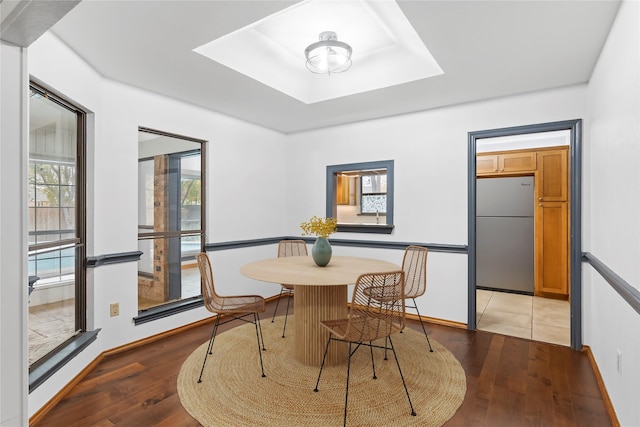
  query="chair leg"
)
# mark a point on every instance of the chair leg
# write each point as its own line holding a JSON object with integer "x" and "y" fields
{"x": 210, "y": 346}
{"x": 214, "y": 332}
{"x": 322, "y": 364}
{"x": 346, "y": 394}
{"x": 256, "y": 322}
{"x": 373, "y": 364}
{"x": 277, "y": 303}
{"x": 413, "y": 412}
{"x": 260, "y": 329}
{"x": 286, "y": 313}
{"x": 421, "y": 323}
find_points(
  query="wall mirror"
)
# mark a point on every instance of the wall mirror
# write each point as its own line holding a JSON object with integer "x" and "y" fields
{"x": 170, "y": 217}
{"x": 360, "y": 196}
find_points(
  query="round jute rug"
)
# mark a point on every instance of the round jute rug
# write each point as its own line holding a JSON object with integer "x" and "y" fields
{"x": 233, "y": 393}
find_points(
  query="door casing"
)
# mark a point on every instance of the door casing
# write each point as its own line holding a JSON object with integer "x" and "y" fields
{"x": 575, "y": 202}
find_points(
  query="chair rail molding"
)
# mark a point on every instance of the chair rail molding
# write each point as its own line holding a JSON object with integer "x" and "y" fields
{"x": 622, "y": 287}
{"x": 115, "y": 258}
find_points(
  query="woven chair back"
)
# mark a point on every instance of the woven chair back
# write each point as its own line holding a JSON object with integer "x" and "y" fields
{"x": 414, "y": 265}
{"x": 292, "y": 248}
{"x": 377, "y": 307}
{"x": 212, "y": 301}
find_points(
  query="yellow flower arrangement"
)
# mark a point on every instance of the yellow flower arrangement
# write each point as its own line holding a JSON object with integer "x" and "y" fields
{"x": 322, "y": 227}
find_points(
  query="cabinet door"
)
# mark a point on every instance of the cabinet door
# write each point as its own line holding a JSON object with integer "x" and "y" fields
{"x": 552, "y": 248}
{"x": 342, "y": 190}
{"x": 517, "y": 162}
{"x": 486, "y": 164}
{"x": 552, "y": 185}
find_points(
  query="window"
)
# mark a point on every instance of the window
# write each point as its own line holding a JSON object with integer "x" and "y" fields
{"x": 373, "y": 190}
{"x": 170, "y": 218}
{"x": 56, "y": 224}
{"x": 360, "y": 196}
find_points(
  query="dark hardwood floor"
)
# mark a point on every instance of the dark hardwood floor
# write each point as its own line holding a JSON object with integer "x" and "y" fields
{"x": 510, "y": 382}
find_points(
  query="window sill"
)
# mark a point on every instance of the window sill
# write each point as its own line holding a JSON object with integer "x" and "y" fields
{"x": 366, "y": 228}
{"x": 41, "y": 372}
{"x": 167, "y": 310}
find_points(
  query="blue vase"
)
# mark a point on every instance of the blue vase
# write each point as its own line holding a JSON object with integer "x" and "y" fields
{"x": 321, "y": 251}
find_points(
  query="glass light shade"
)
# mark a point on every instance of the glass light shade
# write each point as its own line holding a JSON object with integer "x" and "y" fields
{"x": 328, "y": 55}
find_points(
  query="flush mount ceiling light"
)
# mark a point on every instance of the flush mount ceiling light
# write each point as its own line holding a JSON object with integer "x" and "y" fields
{"x": 328, "y": 55}
{"x": 389, "y": 50}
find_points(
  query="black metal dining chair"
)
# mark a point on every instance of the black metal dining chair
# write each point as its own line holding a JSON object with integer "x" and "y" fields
{"x": 237, "y": 307}
{"x": 414, "y": 265}
{"x": 288, "y": 248}
{"x": 370, "y": 318}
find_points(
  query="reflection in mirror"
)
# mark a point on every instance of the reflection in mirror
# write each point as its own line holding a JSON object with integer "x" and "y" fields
{"x": 360, "y": 196}
{"x": 170, "y": 213}
{"x": 55, "y": 207}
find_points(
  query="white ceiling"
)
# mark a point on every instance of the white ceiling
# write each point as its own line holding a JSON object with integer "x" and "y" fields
{"x": 388, "y": 50}
{"x": 487, "y": 49}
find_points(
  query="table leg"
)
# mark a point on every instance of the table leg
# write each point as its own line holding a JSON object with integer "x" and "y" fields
{"x": 311, "y": 305}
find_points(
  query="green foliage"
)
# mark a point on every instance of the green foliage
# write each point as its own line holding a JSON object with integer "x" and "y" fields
{"x": 191, "y": 193}
{"x": 55, "y": 181}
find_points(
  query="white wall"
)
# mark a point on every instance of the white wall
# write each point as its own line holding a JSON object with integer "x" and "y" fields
{"x": 250, "y": 197}
{"x": 245, "y": 183}
{"x": 612, "y": 204}
{"x": 430, "y": 153}
{"x": 13, "y": 243}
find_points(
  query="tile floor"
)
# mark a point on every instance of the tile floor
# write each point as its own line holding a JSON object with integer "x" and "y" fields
{"x": 51, "y": 324}
{"x": 536, "y": 318}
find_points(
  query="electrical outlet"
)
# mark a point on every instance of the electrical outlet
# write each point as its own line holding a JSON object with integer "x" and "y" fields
{"x": 619, "y": 361}
{"x": 114, "y": 309}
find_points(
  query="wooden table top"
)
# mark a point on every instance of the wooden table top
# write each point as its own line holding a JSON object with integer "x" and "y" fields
{"x": 301, "y": 270}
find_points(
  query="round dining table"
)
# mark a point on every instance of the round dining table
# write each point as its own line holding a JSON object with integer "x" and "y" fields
{"x": 320, "y": 294}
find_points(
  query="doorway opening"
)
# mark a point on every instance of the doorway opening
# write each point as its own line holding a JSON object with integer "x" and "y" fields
{"x": 518, "y": 148}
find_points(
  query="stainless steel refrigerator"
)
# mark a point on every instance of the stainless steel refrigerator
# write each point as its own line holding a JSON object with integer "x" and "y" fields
{"x": 504, "y": 234}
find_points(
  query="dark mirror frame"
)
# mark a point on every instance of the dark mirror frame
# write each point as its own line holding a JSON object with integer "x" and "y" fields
{"x": 332, "y": 208}
{"x": 178, "y": 306}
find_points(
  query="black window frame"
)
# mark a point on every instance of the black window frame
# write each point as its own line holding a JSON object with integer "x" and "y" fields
{"x": 47, "y": 365}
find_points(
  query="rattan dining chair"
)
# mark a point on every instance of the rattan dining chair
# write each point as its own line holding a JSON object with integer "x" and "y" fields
{"x": 370, "y": 319}
{"x": 414, "y": 265}
{"x": 288, "y": 248}
{"x": 236, "y": 307}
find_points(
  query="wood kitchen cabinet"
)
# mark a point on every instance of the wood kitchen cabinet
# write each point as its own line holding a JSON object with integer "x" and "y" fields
{"x": 550, "y": 168}
{"x": 552, "y": 223}
{"x": 552, "y": 177}
{"x": 506, "y": 163}
{"x": 342, "y": 190}
{"x": 552, "y": 248}
{"x": 486, "y": 164}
